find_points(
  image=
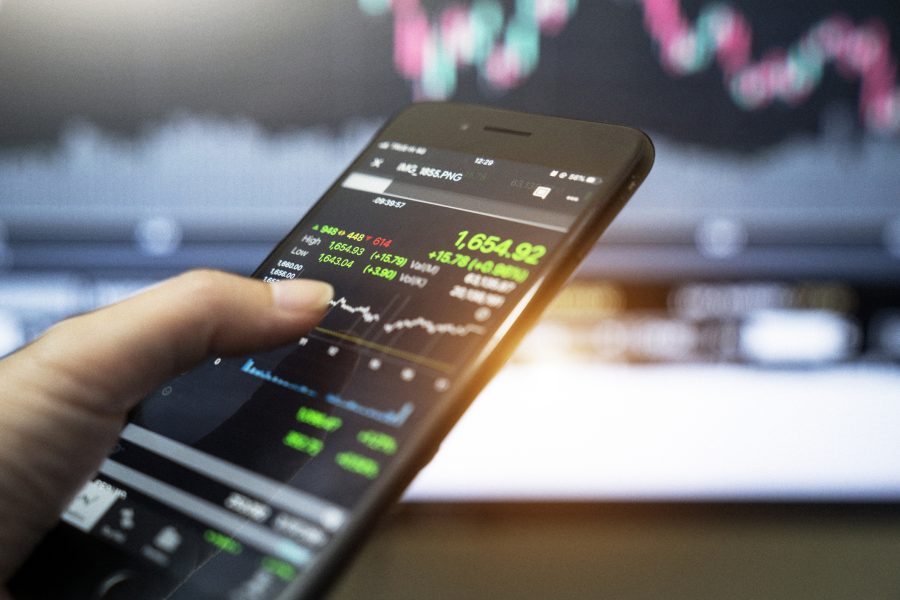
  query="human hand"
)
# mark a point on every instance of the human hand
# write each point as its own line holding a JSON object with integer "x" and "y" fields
{"x": 64, "y": 398}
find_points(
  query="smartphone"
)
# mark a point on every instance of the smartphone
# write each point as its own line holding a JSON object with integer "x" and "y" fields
{"x": 254, "y": 478}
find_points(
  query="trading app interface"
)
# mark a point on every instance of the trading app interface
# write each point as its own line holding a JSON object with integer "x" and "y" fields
{"x": 235, "y": 476}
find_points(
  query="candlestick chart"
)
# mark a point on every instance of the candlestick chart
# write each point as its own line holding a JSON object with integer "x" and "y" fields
{"x": 430, "y": 50}
{"x": 504, "y": 51}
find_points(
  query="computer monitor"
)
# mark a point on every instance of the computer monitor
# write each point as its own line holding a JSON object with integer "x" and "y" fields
{"x": 734, "y": 336}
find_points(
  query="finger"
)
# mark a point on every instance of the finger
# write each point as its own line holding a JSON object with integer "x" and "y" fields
{"x": 110, "y": 358}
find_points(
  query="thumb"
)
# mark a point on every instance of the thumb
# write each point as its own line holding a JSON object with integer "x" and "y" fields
{"x": 108, "y": 359}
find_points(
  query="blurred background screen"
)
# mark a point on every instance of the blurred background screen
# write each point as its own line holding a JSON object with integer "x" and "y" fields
{"x": 736, "y": 334}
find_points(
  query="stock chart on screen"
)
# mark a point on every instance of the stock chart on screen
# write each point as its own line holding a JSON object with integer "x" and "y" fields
{"x": 736, "y": 333}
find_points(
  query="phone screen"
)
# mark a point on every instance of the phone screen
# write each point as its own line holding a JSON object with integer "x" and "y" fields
{"x": 231, "y": 479}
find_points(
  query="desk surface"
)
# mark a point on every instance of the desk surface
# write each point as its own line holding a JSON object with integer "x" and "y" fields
{"x": 716, "y": 551}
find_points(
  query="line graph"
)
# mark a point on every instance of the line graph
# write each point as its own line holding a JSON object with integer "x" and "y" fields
{"x": 503, "y": 51}
{"x": 364, "y": 311}
{"x": 433, "y": 328}
{"x": 250, "y": 369}
{"x": 389, "y": 324}
{"x": 389, "y": 417}
{"x": 422, "y": 323}
{"x": 395, "y": 418}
